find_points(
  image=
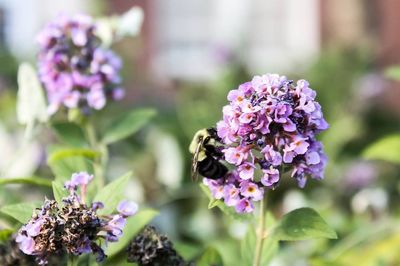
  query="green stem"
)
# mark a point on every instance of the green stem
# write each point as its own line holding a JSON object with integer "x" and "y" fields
{"x": 100, "y": 163}
{"x": 72, "y": 261}
{"x": 260, "y": 234}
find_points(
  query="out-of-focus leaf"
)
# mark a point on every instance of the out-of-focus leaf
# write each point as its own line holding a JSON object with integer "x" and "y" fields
{"x": 386, "y": 149}
{"x": 31, "y": 103}
{"x": 393, "y": 72}
{"x": 133, "y": 226}
{"x": 187, "y": 250}
{"x": 210, "y": 257}
{"x": 70, "y": 134}
{"x": 34, "y": 180}
{"x": 65, "y": 162}
{"x": 302, "y": 224}
{"x": 227, "y": 210}
{"x": 127, "y": 124}
{"x": 112, "y": 194}
{"x": 21, "y": 212}
{"x": 59, "y": 191}
{"x": 5, "y": 234}
{"x": 67, "y": 153}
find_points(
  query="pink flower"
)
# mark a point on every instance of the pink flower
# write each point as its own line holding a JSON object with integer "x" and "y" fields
{"x": 251, "y": 190}
{"x": 272, "y": 156}
{"x": 235, "y": 155}
{"x": 127, "y": 208}
{"x": 26, "y": 244}
{"x": 246, "y": 171}
{"x": 244, "y": 205}
{"x": 231, "y": 195}
{"x": 271, "y": 177}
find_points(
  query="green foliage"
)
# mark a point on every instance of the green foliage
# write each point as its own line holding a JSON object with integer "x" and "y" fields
{"x": 222, "y": 206}
{"x": 5, "y": 234}
{"x": 302, "y": 224}
{"x": 210, "y": 257}
{"x": 386, "y": 149}
{"x": 393, "y": 72}
{"x": 70, "y": 134}
{"x": 31, "y": 104}
{"x": 59, "y": 191}
{"x": 34, "y": 180}
{"x": 127, "y": 124}
{"x": 133, "y": 226}
{"x": 21, "y": 212}
{"x": 112, "y": 194}
{"x": 65, "y": 162}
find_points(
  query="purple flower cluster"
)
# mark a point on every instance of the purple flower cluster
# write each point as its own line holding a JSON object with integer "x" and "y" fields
{"x": 75, "y": 70}
{"x": 268, "y": 127}
{"x": 74, "y": 228}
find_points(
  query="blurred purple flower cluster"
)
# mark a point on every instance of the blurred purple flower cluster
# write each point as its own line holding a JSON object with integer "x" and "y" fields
{"x": 75, "y": 70}
{"x": 268, "y": 127}
{"x": 74, "y": 228}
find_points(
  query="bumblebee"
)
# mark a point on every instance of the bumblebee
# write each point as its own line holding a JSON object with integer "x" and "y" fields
{"x": 206, "y": 155}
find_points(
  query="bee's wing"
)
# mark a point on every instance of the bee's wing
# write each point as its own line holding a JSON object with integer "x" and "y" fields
{"x": 195, "y": 160}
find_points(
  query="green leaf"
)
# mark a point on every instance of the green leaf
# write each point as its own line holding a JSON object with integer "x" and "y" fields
{"x": 34, "y": 180}
{"x": 67, "y": 153}
{"x": 127, "y": 124}
{"x": 386, "y": 149}
{"x": 302, "y": 224}
{"x": 5, "y": 234}
{"x": 248, "y": 245}
{"x": 21, "y": 212}
{"x": 393, "y": 72}
{"x": 210, "y": 257}
{"x": 65, "y": 162}
{"x": 59, "y": 192}
{"x": 70, "y": 134}
{"x": 133, "y": 226}
{"x": 31, "y": 103}
{"x": 112, "y": 194}
{"x": 221, "y": 205}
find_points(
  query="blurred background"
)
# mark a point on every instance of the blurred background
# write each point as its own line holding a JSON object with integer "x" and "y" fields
{"x": 189, "y": 54}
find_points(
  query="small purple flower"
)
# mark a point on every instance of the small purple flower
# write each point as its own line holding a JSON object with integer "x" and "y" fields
{"x": 273, "y": 157}
{"x": 231, "y": 195}
{"x": 251, "y": 190}
{"x": 217, "y": 190}
{"x": 127, "y": 208}
{"x": 26, "y": 244}
{"x": 115, "y": 227}
{"x": 235, "y": 155}
{"x": 270, "y": 177}
{"x": 78, "y": 179}
{"x": 246, "y": 170}
{"x": 244, "y": 205}
{"x": 33, "y": 228}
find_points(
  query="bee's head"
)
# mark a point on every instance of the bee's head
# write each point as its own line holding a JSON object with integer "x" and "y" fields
{"x": 199, "y": 136}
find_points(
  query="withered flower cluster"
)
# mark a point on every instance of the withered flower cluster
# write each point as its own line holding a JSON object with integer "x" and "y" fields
{"x": 72, "y": 227}
{"x": 151, "y": 248}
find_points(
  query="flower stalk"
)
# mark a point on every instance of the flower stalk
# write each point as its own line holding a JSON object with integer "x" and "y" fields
{"x": 100, "y": 162}
{"x": 260, "y": 234}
